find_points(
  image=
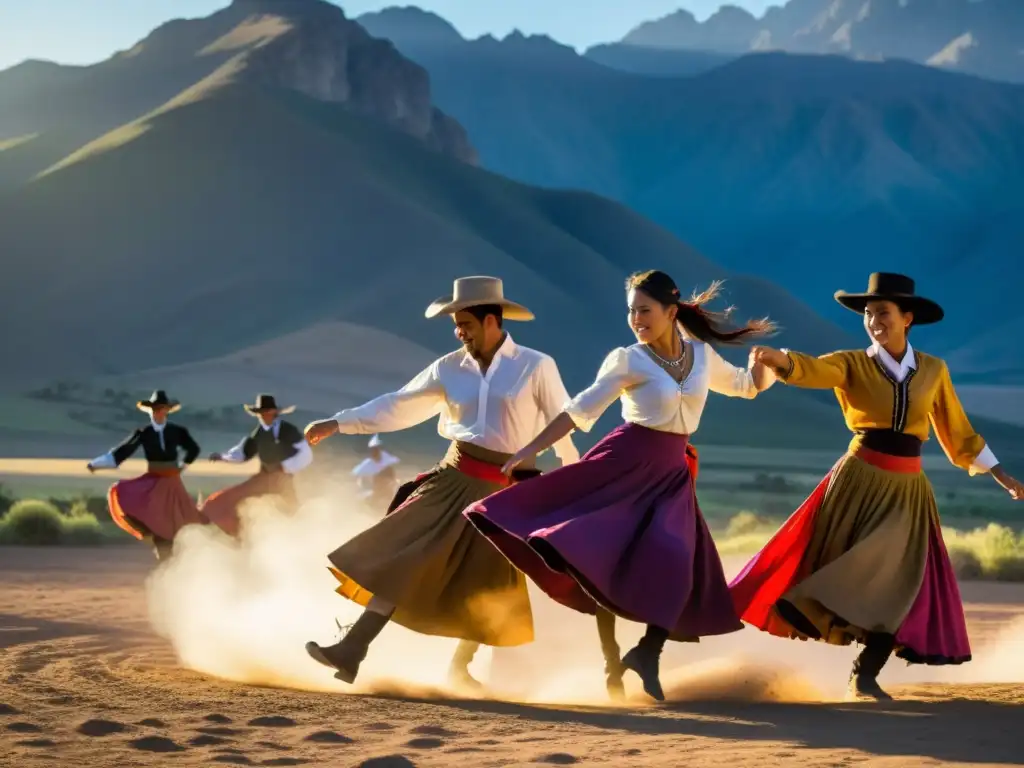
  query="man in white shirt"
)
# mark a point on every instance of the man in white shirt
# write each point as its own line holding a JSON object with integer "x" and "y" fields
{"x": 375, "y": 476}
{"x": 423, "y": 565}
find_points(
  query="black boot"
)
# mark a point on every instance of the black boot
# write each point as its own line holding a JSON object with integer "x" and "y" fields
{"x": 878, "y": 646}
{"x": 347, "y": 654}
{"x": 613, "y": 667}
{"x": 458, "y": 672}
{"x": 645, "y": 658}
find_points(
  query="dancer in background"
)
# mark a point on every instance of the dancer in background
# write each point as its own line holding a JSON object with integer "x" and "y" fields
{"x": 155, "y": 505}
{"x": 282, "y": 451}
{"x": 620, "y": 532}
{"x": 376, "y": 476}
{"x": 863, "y": 558}
{"x": 423, "y": 565}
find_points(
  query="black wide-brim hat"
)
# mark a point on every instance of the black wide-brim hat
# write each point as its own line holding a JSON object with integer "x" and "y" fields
{"x": 267, "y": 403}
{"x": 899, "y": 289}
{"x": 159, "y": 397}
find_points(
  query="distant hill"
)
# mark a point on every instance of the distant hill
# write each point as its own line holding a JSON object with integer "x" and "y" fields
{"x": 981, "y": 37}
{"x": 809, "y": 170}
{"x": 254, "y": 228}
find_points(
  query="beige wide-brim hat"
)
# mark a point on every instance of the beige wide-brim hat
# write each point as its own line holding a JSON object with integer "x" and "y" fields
{"x": 475, "y": 292}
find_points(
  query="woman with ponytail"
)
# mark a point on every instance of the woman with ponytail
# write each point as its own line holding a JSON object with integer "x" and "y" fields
{"x": 619, "y": 533}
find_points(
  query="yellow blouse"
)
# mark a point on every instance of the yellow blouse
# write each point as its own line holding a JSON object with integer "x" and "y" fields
{"x": 872, "y": 399}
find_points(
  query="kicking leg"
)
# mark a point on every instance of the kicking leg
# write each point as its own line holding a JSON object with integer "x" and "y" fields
{"x": 347, "y": 654}
{"x": 645, "y": 660}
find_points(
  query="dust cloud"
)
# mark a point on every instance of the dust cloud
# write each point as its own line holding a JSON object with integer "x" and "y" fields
{"x": 243, "y": 610}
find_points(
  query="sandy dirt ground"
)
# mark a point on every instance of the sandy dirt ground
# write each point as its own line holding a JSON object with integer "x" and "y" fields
{"x": 108, "y": 660}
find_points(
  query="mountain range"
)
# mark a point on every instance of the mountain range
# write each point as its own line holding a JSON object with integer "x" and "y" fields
{"x": 810, "y": 170}
{"x": 981, "y": 37}
{"x": 267, "y": 199}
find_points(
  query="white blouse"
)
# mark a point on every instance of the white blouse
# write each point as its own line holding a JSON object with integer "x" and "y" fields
{"x": 651, "y": 397}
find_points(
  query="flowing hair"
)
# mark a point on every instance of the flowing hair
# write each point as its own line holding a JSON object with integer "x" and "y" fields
{"x": 698, "y": 321}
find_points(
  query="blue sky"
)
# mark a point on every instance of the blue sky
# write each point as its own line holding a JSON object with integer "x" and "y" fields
{"x": 86, "y": 31}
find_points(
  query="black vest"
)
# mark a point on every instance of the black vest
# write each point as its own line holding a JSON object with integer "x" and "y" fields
{"x": 272, "y": 452}
{"x": 176, "y": 438}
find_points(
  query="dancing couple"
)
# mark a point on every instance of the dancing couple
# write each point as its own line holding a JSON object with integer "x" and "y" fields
{"x": 596, "y": 534}
{"x": 155, "y": 506}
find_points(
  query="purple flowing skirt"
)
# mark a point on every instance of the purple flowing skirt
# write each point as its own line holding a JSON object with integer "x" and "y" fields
{"x": 620, "y": 529}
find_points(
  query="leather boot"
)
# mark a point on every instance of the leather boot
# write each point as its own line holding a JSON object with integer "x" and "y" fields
{"x": 645, "y": 660}
{"x": 458, "y": 672}
{"x": 613, "y": 667}
{"x": 346, "y": 655}
{"x": 878, "y": 646}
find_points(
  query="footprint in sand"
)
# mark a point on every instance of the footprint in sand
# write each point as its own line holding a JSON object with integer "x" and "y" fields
{"x": 285, "y": 761}
{"x": 380, "y": 727}
{"x": 207, "y": 741}
{"x": 272, "y": 721}
{"x": 232, "y": 759}
{"x": 273, "y": 745}
{"x": 36, "y": 743}
{"x": 558, "y": 758}
{"x": 21, "y": 727}
{"x": 155, "y": 744}
{"x": 434, "y": 730}
{"x": 425, "y": 743}
{"x": 152, "y": 722}
{"x": 388, "y": 761}
{"x": 219, "y": 730}
{"x": 101, "y": 727}
{"x": 218, "y": 718}
{"x": 7, "y": 709}
{"x": 329, "y": 737}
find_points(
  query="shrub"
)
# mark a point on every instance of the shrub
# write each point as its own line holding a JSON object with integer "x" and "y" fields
{"x": 81, "y": 530}
{"x": 992, "y": 552}
{"x": 31, "y": 522}
{"x": 6, "y": 500}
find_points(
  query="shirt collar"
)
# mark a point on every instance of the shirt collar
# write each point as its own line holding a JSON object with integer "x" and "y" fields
{"x": 508, "y": 348}
{"x": 157, "y": 427}
{"x": 903, "y": 367}
{"x": 272, "y": 426}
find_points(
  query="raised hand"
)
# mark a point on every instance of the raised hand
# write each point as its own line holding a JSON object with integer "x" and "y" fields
{"x": 321, "y": 430}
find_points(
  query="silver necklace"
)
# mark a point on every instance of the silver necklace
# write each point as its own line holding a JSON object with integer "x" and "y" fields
{"x": 671, "y": 363}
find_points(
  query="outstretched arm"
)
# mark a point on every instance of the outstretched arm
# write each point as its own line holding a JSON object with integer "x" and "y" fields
{"x": 583, "y": 411}
{"x": 413, "y": 404}
{"x": 115, "y": 456}
{"x": 733, "y": 381}
{"x": 799, "y": 370}
{"x": 963, "y": 446}
{"x": 240, "y": 453}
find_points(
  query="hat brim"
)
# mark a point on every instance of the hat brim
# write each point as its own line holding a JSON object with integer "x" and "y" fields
{"x": 447, "y": 306}
{"x": 925, "y": 310}
{"x": 257, "y": 411}
{"x": 147, "y": 405}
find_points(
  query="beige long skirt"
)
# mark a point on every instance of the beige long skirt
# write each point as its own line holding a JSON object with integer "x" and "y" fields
{"x": 864, "y": 554}
{"x": 425, "y": 558}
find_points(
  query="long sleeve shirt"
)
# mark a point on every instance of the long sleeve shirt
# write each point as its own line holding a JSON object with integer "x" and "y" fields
{"x": 501, "y": 410}
{"x": 877, "y": 392}
{"x": 651, "y": 397}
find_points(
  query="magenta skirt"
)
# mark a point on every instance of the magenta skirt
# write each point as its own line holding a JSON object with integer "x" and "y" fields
{"x": 155, "y": 503}
{"x": 620, "y": 529}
